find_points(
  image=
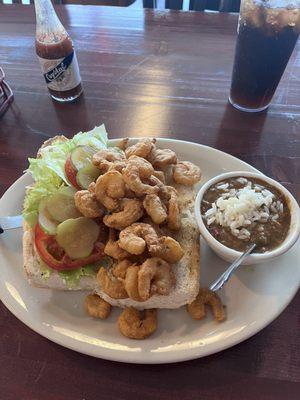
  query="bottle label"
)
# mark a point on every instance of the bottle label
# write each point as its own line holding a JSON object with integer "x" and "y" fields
{"x": 62, "y": 74}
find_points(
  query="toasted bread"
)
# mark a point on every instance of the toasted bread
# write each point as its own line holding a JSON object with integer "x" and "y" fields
{"x": 186, "y": 271}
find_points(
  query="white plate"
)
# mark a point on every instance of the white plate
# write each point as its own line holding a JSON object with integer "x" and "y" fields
{"x": 254, "y": 297}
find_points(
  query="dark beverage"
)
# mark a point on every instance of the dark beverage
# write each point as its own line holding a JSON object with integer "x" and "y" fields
{"x": 267, "y": 35}
{"x": 56, "y": 54}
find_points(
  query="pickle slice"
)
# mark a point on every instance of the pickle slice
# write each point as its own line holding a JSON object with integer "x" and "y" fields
{"x": 61, "y": 205}
{"x": 87, "y": 175}
{"x": 81, "y": 156}
{"x": 77, "y": 236}
{"x": 45, "y": 220}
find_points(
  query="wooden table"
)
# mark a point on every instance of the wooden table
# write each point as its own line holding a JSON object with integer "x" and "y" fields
{"x": 147, "y": 73}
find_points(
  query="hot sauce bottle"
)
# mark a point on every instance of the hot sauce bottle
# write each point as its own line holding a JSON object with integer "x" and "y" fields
{"x": 56, "y": 54}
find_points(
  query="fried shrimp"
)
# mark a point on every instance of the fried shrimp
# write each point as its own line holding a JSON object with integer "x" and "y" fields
{"x": 163, "y": 192}
{"x": 119, "y": 269}
{"x": 135, "y": 324}
{"x": 91, "y": 187}
{"x": 113, "y": 249}
{"x": 129, "y": 194}
{"x": 134, "y": 238}
{"x": 186, "y": 173}
{"x": 207, "y": 297}
{"x": 110, "y": 285}
{"x": 141, "y": 148}
{"x": 131, "y": 282}
{"x": 168, "y": 249}
{"x": 97, "y": 307}
{"x": 122, "y": 145}
{"x": 136, "y": 170}
{"x": 155, "y": 276}
{"x": 160, "y": 175}
{"x": 117, "y": 166}
{"x": 87, "y": 204}
{"x": 174, "y": 221}
{"x": 105, "y": 158}
{"x": 161, "y": 158}
{"x": 109, "y": 188}
{"x": 155, "y": 208}
{"x": 131, "y": 210}
{"x": 144, "y": 167}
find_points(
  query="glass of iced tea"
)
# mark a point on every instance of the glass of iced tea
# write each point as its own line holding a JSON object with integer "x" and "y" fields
{"x": 267, "y": 33}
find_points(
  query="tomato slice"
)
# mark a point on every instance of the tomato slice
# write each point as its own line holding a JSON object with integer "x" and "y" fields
{"x": 57, "y": 259}
{"x": 71, "y": 173}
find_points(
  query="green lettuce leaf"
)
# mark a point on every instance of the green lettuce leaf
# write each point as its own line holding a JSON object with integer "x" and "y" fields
{"x": 34, "y": 196}
{"x": 45, "y": 270}
{"x": 72, "y": 278}
{"x": 55, "y": 155}
{"x": 48, "y": 169}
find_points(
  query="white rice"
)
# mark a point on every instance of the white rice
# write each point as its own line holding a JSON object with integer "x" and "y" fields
{"x": 224, "y": 186}
{"x": 242, "y": 180}
{"x": 237, "y": 209}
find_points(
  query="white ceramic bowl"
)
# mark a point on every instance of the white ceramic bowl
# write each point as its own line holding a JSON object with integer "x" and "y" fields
{"x": 229, "y": 254}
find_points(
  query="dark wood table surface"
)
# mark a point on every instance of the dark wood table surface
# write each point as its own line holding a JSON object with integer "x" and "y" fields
{"x": 147, "y": 73}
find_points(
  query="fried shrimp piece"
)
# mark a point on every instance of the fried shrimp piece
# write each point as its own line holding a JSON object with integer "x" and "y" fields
{"x": 129, "y": 194}
{"x": 91, "y": 187}
{"x": 207, "y": 297}
{"x": 160, "y": 175}
{"x": 155, "y": 208}
{"x": 163, "y": 192}
{"x": 135, "y": 324}
{"x": 161, "y": 158}
{"x": 134, "y": 238}
{"x": 113, "y": 249}
{"x": 136, "y": 170}
{"x": 105, "y": 158}
{"x": 155, "y": 276}
{"x": 141, "y": 148}
{"x": 131, "y": 210}
{"x": 168, "y": 249}
{"x": 174, "y": 221}
{"x": 110, "y": 285}
{"x": 122, "y": 145}
{"x": 120, "y": 268}
{"x": 87, "y": 204}
{"x": 117, "y": 166}
{"x": 109, "y": 188}
{"x": 131, "y": 282}
{"x": 97, "y": 307}
{"x": 186, "y": 173}
{"x": 144, "y": 167}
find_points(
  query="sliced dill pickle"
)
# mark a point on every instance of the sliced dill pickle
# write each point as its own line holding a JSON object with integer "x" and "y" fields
{"x": 81, "y": 156}
{"x": 77, "y": 236}
{"x": 87, "y": 175}
{"x": 47, "y": 223}
{"x": 61, "y": 205}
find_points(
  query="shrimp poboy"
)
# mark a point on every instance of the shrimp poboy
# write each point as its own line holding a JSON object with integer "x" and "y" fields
{"x": 116, "y": 220}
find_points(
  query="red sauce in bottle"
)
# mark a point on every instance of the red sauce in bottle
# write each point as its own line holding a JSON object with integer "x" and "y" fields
{"x": 56, "y": 54}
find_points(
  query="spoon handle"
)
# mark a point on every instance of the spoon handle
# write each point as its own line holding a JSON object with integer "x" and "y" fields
{"x": 219, "y": 282}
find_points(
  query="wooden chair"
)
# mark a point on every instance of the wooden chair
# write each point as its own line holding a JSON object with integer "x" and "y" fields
{"x": 195, "y": 5}
{"x": 198, "y": 5}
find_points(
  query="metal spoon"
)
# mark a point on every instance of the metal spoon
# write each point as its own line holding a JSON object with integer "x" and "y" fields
{"x": 220, "y": 282}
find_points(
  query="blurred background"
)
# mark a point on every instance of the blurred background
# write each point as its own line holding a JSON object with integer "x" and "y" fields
{"x": 196, "y": 5}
